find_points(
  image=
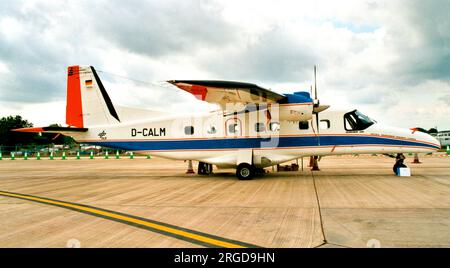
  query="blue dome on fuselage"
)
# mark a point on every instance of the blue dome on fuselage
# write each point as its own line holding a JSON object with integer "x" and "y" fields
{"x": 298, "y": 97}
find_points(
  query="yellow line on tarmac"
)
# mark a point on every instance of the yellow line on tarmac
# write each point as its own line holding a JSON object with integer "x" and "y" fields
{"x": 170, "y": 230}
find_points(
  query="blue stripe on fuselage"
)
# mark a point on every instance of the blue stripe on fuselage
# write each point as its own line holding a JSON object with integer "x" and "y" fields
{"x": 245, "y": 143}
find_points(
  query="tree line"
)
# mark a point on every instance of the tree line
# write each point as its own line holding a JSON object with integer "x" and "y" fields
{"x": 9, "y": 139}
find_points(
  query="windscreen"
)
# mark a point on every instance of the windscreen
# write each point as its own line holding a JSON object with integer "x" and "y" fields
{"x": 356, "y": 120}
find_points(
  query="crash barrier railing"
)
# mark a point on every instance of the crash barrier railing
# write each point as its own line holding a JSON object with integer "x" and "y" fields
{"x": 61, "y": 152}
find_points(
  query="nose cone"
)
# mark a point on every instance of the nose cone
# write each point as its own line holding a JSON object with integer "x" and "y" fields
{"x": 428, "y": 139}
{"x": 412, "y": 139}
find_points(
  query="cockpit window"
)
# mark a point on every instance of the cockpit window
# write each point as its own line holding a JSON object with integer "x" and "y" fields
{"x": 356, "y": 120}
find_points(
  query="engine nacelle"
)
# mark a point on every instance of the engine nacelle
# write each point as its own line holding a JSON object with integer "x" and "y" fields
{"x": 296, "y": 107}
{"x": 296, "y": 112}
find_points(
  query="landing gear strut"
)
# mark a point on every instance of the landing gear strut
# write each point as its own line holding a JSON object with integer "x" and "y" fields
{"x": 204, "y": 168}
{"x": 245, "y": 171}
{"x": 400, "y": 158}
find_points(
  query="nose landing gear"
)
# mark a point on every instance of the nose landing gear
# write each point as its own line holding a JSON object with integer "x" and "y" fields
{"x": 400, "y": 158}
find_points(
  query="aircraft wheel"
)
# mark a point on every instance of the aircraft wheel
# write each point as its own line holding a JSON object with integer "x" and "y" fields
{"x": 245, "y": 171}
{"x": 400, "y": 158}
{"x": 398, "y": 165}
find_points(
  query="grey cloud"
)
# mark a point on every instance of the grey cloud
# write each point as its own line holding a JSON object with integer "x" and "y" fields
{"x": 9, "y": 7}
{"x": 275, "y": 57}
{"x": 429, "y": 56}
{"x": 34, "y": 73}
{"x": 166, "y": 29}
{"x": 381, "y": 97}
{"x": 419, "y": 37}
{"x": 67, "y": 33}
{"x": 159, "y": 28}
{"x": 445, "y": 99}
{"x": 37, "y": 58}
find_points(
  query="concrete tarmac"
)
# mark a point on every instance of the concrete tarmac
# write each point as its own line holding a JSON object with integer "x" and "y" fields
{"x": 351, "y": 202}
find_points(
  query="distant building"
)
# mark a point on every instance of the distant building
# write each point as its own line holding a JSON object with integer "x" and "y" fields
{"x": 443, "y": 137}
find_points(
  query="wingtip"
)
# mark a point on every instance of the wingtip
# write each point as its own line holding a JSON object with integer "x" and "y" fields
{"x": 173, "y": 82}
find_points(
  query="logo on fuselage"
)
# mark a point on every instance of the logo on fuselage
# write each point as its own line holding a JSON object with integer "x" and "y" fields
{"x": 102, "y": 135}
{"x": 145, "y": 132}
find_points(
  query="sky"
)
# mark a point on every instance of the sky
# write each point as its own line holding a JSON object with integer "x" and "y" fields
{"x": 389, "y": 59}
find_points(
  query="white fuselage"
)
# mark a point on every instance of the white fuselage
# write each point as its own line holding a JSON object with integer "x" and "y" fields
{"x": 228, "y": 140}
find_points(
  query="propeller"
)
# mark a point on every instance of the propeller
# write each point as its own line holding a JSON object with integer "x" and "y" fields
{"x": 316, "y": 102}
{"x": 317, "y": 108}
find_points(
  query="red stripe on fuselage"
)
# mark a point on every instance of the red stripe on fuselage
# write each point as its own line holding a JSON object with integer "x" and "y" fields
{"x": 288, "y": 148}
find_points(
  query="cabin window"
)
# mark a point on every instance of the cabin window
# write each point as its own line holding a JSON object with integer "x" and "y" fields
{"x": 189, "y": 130}
{"x": 233, "y": 128}
{"x": 211, "y": 130}
{"x": 303, "y": 125}
{"x": 324, "y": 124}
{"x": 260, "y": 127}
{"x": 274, "y": 126}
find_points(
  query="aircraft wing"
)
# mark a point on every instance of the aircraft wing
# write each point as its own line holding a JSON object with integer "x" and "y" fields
{"x": 222, "y": 92}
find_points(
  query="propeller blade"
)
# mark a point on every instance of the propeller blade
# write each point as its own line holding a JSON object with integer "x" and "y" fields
{"x": 316, "y": 107}
{"x": 317, "y": 123}
{"x": 316, "y": 100}
{"x": 315, "y": 83}
{"x": 320, "y": 108}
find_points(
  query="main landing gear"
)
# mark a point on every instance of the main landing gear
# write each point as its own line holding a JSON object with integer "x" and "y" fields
{"x": 245, "y": 171}
{"x": 400, "y": 158}
{"x": 204, "y": 168}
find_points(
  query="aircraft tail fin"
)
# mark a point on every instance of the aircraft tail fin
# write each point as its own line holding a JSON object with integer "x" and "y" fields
{"x": 88, "y": 103}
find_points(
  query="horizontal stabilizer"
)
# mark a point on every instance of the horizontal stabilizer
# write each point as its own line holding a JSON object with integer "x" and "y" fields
{"x": 51, "y": 129}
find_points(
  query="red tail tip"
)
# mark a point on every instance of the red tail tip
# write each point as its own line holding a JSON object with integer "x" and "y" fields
{"x": 74, "y": 111}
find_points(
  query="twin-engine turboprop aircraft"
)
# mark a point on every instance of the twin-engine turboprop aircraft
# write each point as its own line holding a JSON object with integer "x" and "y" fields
{"x": 255, "y": 127}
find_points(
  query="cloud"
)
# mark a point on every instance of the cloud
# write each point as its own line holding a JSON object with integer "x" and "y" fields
{"x": 37, "y": 43}
{"x": 157, "y": 29}
{"x": 276, "y": 55}
{"x": 431, "y": 43}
